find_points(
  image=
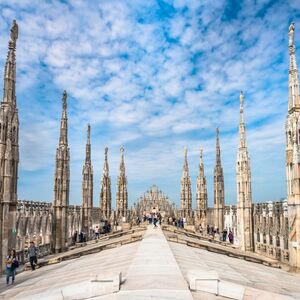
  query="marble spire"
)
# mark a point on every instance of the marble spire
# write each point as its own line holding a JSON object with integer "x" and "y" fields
{"x": 62, "y": 183}
{"x": 9, "y": 150}
{"x": 201, "y": 193}
{"x": 105, "y": 193}
{"x": 122, "y": 193}
{"x": 244, "y": 191}
{"x": 186, "y": 192}
{"x": 87, "y": 188}
{"x": 293, "y": 154}
{"x": 219, "y": 201}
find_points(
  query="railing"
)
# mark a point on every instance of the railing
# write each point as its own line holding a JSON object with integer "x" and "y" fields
{"x": 272, "y": 252}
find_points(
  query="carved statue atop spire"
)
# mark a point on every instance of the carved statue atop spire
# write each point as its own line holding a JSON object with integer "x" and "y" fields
{"x": 14, "y": 31}
{"x": 185, "y": 166}
{"x": 64, "y": 121}
{"x": 241, "y": 102}
{"x": 64, "y": 99}
{"x": 9, "y": 91}
{"x": 242, "y": 124}
{"x": 291, "y": 34}
{"x": 201, "y": 155}
{"x": 294, "y": 97}
{"x": 89, "y": 134}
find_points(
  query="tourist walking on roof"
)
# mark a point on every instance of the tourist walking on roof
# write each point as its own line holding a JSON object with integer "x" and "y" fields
{"x": 74, "y": 238}
{"x": 182, "y": 222}
{"x": 97, "y": 233}
{"x": 224, "y": 235}
{"x": 213, "y": 232}
{"x": 11, "y": 265}
{"x": 32, "y": 255}
{"x": 154, "y": 220}
{"x": 230, "y": 237}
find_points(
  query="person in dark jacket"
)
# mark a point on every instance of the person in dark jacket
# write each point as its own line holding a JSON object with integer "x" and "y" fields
{"x": 32, "y": 255}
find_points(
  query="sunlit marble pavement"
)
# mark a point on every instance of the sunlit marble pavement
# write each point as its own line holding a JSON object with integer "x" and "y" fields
{"x": 154, "y": 269}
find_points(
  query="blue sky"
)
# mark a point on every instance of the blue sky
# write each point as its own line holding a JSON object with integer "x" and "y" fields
{"x": 154, "y": 76}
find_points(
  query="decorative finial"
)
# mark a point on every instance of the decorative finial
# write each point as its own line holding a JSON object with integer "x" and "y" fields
{"x": 185, "y": 152}
{"x": 64, "y": 100}
{"x": 88, "y": 133}
{"x": 291, "y": 34}
{"x": 14, "y": 32}
{"x": 201, "y": 156}
{"x": 106, "y": 151}
{"x": 217, "y": 131}
{"x": 122, "y": 149}
{"x": 241, "y": 101}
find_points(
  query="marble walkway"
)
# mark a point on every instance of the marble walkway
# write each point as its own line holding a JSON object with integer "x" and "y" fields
{"x": 148, "y": 267}
{"x": 154, "y": 271}
{"x": 152, "y": 268}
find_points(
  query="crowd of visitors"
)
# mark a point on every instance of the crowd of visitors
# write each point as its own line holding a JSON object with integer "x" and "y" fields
{"x": 82, "y": 236}
{"x": 153, "y": 218}
{"x": 179, "y": 223}
{"x": 225, "y": 235}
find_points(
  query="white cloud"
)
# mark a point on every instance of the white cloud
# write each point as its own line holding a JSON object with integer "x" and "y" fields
{"x": 152, "y": 80}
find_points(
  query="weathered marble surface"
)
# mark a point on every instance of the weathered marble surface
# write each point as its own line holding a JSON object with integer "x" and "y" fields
{"x": 260, "y": 281}
{"x": 154, "y": 269}
{"x": 50, "y": 278}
